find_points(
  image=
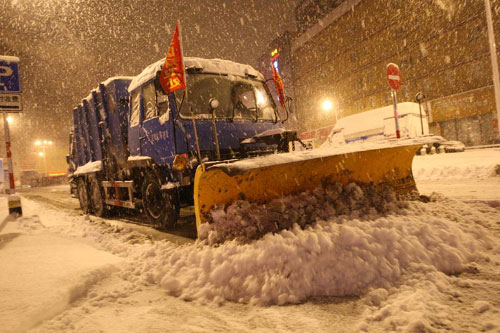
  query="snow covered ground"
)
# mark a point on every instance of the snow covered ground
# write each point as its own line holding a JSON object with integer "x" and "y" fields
{"x": 420, "y": 267}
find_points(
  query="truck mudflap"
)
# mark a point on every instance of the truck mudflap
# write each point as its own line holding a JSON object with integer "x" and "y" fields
{"x": 263, "y": 179}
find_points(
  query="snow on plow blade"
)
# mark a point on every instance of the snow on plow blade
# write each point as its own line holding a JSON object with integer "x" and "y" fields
{"x": 263, "y": 179}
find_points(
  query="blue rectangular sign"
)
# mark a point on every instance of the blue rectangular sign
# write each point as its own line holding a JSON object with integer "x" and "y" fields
{"x": 9, "y": 75}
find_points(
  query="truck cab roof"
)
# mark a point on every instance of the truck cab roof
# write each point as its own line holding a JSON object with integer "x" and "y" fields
{"x": 214, "y": 66}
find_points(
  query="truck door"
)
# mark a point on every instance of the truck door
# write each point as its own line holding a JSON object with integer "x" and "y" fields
{"x": 157, "y": 139}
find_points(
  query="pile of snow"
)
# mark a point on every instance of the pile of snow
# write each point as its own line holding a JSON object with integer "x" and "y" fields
{"x": 478, "y": 163}
{"x": 342, "y": 256}
{"x": 245, "y": 221}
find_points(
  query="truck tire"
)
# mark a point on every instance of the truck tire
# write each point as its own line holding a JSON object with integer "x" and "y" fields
{"x": 83, "y": 195}
{"x": 160, "y": 207}
{"x": 96, "y": 197}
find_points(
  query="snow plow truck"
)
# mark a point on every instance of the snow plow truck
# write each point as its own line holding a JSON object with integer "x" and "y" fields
{"x": 134, "y": 146}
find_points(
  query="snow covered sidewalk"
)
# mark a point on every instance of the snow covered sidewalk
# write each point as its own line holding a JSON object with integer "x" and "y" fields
{"x": 42, "y": 273}
{"x": 471, "y": 164}
{"x": 469, "y": 175}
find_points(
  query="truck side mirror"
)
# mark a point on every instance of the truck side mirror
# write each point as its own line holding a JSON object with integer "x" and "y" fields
{"x": 419, "y": 97}
{"x": 213, "y": 103}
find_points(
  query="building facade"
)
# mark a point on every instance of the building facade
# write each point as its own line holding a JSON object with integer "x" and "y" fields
{"x": 341, "y": 50}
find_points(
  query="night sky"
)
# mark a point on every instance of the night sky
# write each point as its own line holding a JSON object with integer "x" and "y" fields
{"x": 67, "y": 47}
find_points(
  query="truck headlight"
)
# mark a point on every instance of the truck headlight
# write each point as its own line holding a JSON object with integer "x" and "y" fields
{"x": 181, "y": 162}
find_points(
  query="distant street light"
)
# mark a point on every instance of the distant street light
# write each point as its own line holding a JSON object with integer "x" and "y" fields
{"x": 10, "y": 120}
{"x": 43, "y": 144}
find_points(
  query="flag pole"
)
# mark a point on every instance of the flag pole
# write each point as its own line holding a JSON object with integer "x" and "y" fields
{"x": 182, "y": 57}
{"x": 197, "y": 144}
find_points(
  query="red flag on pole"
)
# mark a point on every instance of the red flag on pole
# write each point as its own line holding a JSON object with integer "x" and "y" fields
{"x": 278, "y": 83}
{"x": 172, "y": 75}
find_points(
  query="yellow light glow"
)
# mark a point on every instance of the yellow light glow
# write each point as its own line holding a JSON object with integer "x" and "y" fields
{"x": 10, "y": 120}
{"x": 41, "y": 154}
{"x": 326, "y": 105}
{"x": 55, "y": 174}
{"x": 38, "y": 142}
{"x": 260, "y": 98}
{"x": 44, "y": 142}
{"x": 50, "y": 142}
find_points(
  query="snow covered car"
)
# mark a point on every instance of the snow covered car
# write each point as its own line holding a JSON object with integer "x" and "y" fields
{"x": 443, "y": 146}
{"x": 452, "y": 146}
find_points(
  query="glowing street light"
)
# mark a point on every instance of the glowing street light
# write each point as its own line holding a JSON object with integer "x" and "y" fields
{"x": 327, "y": 105}
{"x": 10, "y": 120}
{"x": 43, "y": 145}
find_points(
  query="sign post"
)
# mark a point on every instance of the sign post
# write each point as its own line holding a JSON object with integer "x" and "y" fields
{"x": 394, "y": 80}
{"x": 10, "y": 101}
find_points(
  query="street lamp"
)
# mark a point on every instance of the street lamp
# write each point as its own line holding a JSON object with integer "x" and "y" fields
{"x": 326, "y": 105}
{"x": 43, "y": 145}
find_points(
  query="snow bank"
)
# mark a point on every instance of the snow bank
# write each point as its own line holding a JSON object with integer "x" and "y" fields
{"x": 339, "y": 257}
{"x": 478, "y": 163}
{"x": 418, "y": 305}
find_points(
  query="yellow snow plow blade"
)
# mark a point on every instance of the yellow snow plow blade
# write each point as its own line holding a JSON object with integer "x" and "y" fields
{"x": 263, "y": 179}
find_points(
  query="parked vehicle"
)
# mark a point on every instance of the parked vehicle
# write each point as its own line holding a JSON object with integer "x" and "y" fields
{"x": 30, "y": 178}
{"x": 451, "y": 146}
{"x": 379, "y": 124}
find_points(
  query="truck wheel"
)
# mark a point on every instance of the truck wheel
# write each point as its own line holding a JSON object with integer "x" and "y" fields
{"x": 96, "y": 197}
{"x": 83, "y": 196}
{"x": 160, "y": 207}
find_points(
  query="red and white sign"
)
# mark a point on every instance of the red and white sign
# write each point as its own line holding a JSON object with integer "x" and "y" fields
{"x": 393, "y": 76}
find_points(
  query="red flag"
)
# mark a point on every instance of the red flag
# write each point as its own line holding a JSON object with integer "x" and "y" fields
{"x": 278, "y": 83}
{"x": 172, "y": 75}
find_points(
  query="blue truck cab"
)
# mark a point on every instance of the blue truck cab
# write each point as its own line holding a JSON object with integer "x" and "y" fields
{"x": 138, "y": 147}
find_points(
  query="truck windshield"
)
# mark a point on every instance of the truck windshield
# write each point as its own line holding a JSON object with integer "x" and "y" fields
{"x": 239, "y": 98}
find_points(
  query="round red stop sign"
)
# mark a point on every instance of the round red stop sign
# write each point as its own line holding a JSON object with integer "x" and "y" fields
{"x": 393, "y": 76}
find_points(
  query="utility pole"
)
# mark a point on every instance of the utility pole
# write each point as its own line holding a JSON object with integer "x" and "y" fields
{"x": 10, "y": 101}
{"x": 494, "y": 61}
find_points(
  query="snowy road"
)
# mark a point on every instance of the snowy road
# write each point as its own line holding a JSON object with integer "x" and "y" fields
{"x": 58, "y": 197}
{"x": 423, "y": 267}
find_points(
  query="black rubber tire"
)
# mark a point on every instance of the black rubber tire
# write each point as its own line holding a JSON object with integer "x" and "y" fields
{"x": 97, "y": 198}
{"x": 160, "y": 207}
{"x": 83, "y": 195}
